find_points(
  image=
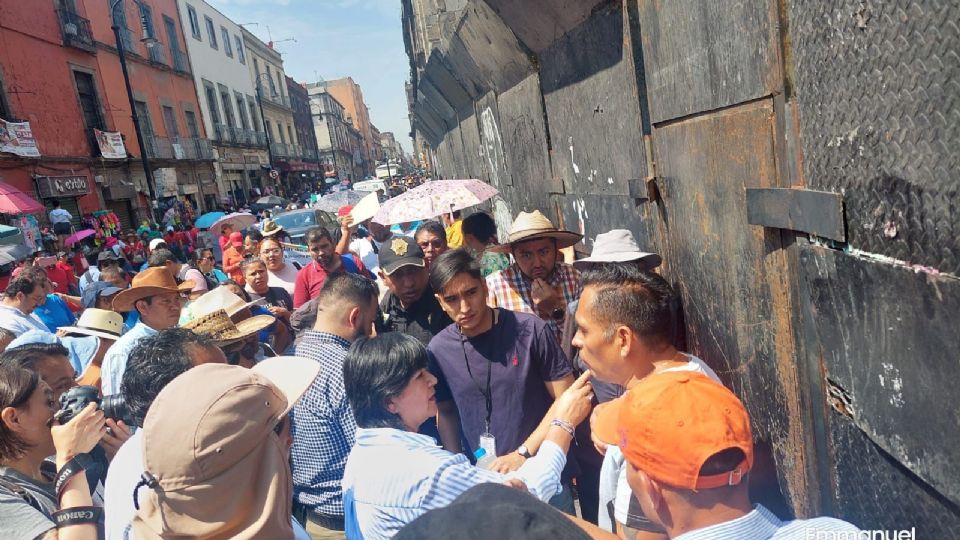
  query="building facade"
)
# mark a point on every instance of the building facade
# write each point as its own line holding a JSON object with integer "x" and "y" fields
{"x": 376, "y": 150}
{"x": 338, "y": 141}
{"x": 176, "y": 143}
{"x": 269, "y": 80}
{"x": 302, "y": 164}
{"x": 348, "y": 92}
{"x": 40, "y": 59}
{"x": 227, "y": 98}
{"x": 390, "y": 145}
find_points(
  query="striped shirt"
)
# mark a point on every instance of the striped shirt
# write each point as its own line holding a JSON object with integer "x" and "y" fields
{"x": 761, "y": 524}
{"x": 322, "y": 427}
{"x": 394, "y": 476}
{"x": 510, "y": 289}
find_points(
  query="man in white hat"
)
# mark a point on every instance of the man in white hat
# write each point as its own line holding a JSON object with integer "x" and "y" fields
{"x": 537, "y": 282}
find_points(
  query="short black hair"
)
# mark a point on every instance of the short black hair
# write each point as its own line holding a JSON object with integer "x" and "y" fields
{"x": 481, "y": 226}
{"x": 447, "y": 266}
{"x": 316, "y": 234}
{"x": 160, "y": 257}
{"x": 25, "y": 283}
{"x": 153, "y": 363}
{"x": 377, "y": 369}
{"x": 56, "y": 203}
{"x": 247, "y": 263}
{"x": 244, "y": 294}
{"x": 16, "y": 387}
{"x": 625, "y": 295}
{"x": 254, "y": 235}
{"x": 351, "y": 288}
{"x": 29, "y": 355}
{"x": 432, "y": 226}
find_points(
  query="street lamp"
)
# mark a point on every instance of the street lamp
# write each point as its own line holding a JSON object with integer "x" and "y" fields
{"x": 133, "y": 108}
{"x": 263, "y": 121}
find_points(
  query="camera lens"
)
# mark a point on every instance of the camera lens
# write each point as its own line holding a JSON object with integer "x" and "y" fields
{"x": 115, "y": 407}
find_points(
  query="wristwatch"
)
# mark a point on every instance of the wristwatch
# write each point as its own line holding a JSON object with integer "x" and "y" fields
{"x": 558, "y": 313}
{"x": 522, "y": 450}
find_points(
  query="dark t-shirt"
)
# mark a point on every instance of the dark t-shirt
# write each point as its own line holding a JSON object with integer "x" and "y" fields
{"x": 522, "y": 353}
{"x": 279, "y": 297}
{"x": 423, "y": 320}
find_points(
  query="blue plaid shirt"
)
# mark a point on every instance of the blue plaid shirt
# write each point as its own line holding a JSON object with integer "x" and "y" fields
{"x": 323, "y": 427}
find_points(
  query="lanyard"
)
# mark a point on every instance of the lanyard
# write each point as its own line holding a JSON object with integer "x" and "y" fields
{"x": 488, "y": 394}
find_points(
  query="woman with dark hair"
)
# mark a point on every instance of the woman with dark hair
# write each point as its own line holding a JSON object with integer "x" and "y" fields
{"x": 29, "y": 502}
{"x": 392, "y": 393}
{"x": 206, "y": 262}
{"x": 479, "y": 233}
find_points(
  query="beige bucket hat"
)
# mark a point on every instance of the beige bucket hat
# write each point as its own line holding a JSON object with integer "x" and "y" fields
{"x": 97, "y": 322}
{"x": 532, "y": 226}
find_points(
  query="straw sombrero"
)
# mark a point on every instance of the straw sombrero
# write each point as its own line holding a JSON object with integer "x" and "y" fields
{"x": 532, "y": 226}
{"x": 218, "y": 327}
{"x": 150, "y": 282}
{"x": 218, "y": 298}
{"x": 270, "y": 228}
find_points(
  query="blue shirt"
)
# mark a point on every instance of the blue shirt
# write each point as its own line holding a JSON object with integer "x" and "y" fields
{"x": 55, "y": 313}
{"x": 322, "y": 427}
{"x": 761, "y": 524}
{"x": 394, "y": 476}
{"x": 115, "y": 361}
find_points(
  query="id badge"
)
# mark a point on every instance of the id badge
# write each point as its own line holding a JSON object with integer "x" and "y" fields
{"x": 489, "y": 443}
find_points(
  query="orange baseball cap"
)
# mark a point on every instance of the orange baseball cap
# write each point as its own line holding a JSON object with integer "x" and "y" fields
{"x": 670, "y": 423}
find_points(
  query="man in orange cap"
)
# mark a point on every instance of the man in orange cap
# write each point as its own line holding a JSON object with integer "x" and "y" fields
{"x": 689, "y": 447}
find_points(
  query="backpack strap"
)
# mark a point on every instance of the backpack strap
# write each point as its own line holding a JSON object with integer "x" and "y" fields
{"x": 23, "y": 494}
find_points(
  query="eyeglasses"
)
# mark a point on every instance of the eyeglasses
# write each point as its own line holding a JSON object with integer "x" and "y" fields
{"x": 208, "y": 258}
{"x": 271, "y": 251}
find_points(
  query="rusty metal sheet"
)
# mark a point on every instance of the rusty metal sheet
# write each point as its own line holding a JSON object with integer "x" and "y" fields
{"x": 701, "y": 56}
{"x": 734, "y": 279}
{"x": 591, "y": 98}
{"x": 525, "y": 144}
{"x": 815, "y": 212}
{"x": 538, "y": 23}
{"x": 878, "y": 85}
{"x": 889, "y": 340}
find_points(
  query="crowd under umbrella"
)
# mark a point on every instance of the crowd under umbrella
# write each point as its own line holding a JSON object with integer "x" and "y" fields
{"x": 208, "y": 219}
{"x": 432, "y": 199}
{"x": 272, "y": 200}
{"x": 238, "y": 220}
{"x": 337, "y": 200}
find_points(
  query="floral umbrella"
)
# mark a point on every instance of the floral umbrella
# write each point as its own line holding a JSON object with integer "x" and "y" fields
{"x": 333, "y": 202}
{"x": 432, "y": 199}
{"x": 239, "y": 221}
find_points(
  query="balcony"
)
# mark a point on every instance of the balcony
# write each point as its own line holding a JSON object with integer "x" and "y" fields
{"x": 76, "y": 30}
{"x": 204, "y": 149}
{"x": 276, "y": 99}
{"x": 223, "y": 133}
{"x": 180, "y": 62}
{"x": 280, "y": 149}
{"x": 179, "y": 148}
{"x": 260, "y": 139}
{"x": 230, "y": 135}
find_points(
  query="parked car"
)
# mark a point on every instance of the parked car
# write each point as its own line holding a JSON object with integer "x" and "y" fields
{"x": 296, "y": 222}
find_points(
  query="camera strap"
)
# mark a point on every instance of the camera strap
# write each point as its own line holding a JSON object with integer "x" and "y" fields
{"x": 78, "y": 464}
{"x": 78, "y": 515}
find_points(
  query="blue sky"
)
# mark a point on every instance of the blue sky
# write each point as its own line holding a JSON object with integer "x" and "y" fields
{"x": 338, "y": 38}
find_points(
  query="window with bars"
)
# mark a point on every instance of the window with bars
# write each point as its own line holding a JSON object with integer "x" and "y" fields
{"x": 194, "y": 22}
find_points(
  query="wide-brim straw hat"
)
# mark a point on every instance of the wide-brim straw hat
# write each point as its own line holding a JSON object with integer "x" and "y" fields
{"x": 150, "y": 282}
{"x": 533, "y": 226}
{"x": 218, "y": 327}
{"x": 218, "y": 298}
{"x": 270, "y": 228}
{"x": 97, "y": 322}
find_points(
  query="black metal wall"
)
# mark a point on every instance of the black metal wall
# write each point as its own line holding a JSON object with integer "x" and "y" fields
{"x": 659, "y": 116}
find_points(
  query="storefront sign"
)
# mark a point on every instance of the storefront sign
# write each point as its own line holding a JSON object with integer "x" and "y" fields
{"x": 111, "y": 144}
{"x": 17, "y": 138}
{"x": 62, "y": 186}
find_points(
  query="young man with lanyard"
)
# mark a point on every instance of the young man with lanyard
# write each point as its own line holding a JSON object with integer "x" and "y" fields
{"x": 503, "y": 370}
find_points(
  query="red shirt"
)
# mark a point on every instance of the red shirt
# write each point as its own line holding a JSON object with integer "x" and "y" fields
{"x": 311, "y": 278}
{"x": 57, "y": 275}
{"x": 224, "y": 242}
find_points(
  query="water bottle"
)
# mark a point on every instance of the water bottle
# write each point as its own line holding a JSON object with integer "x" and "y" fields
{"x": 484, "y": 460}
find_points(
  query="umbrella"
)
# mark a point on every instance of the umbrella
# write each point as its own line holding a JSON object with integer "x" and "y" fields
{"x": 14, "y": 201}
{"x": 13, "y": 252}
{"x": 271, "y": 200}
{"x": 78, "y": 236}
{"x": 432, "y": 199}
{"x": 208, "y": 219}
{"x": 239, "y": 221}
{"x": 333, "y": 202}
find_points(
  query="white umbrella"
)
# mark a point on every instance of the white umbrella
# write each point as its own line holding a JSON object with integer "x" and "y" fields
{"x": 238, "y": 220}
{"x": 432, "y": 199}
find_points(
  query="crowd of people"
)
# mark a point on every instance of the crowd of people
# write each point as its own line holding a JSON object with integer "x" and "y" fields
{"x": 408, "y": 383}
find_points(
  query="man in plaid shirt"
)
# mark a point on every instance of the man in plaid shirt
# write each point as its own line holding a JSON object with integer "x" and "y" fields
{"x": 537, "y": 282}
{"x": 322, "y": 423}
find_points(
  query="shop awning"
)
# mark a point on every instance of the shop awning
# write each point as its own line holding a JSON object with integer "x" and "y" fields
{"x": 14, "y": 201}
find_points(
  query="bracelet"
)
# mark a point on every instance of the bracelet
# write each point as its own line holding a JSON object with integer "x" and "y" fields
{"x": 566, "y": 426}
{"x": 77, "y": 464}
{"x": 78, "y": 515}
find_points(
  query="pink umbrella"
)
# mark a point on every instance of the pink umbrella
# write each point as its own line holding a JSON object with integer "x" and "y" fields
{"x": 78, "y": 236}
{"x": 14, "y": 201}
{"x": 432, "y": 199}
{"x": 238, "y": 220}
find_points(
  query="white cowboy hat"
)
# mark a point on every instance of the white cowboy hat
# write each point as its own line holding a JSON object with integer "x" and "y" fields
{"x": 97, "y": 322}
{"x": 532, "y": 226}
{"x": 618, "y": 245}
{"x": 218, "y": 298}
